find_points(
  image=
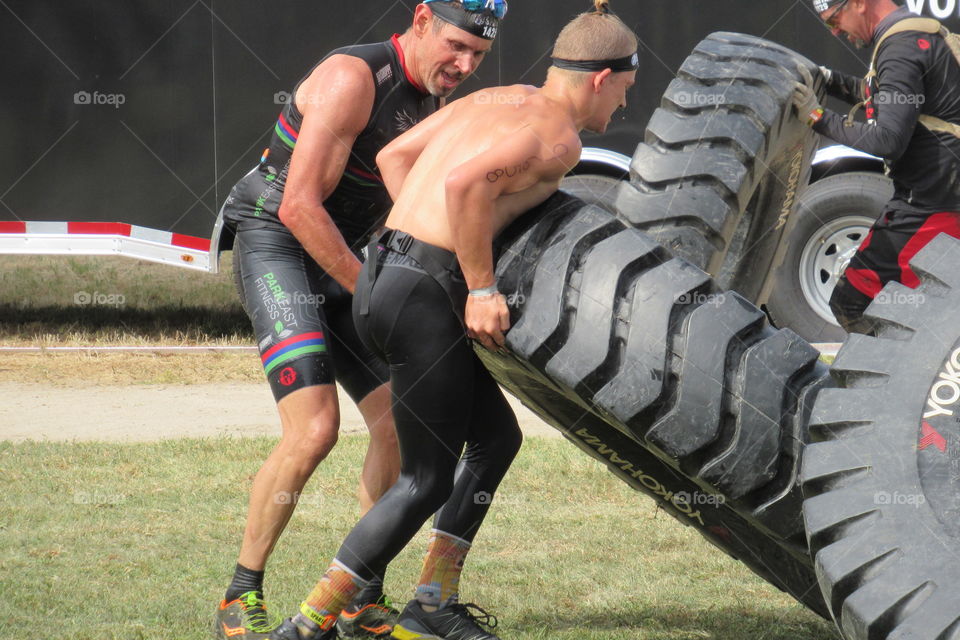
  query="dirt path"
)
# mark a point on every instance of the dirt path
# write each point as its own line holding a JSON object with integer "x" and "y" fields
{"x": 154, "y": 412}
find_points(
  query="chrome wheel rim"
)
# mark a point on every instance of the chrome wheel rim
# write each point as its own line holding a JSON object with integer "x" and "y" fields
{"x": 825, "y": 257}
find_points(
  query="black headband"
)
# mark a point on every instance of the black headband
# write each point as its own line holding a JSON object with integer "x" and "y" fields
{"x": 483, "y": 25}
{"x": 627, "y": 63}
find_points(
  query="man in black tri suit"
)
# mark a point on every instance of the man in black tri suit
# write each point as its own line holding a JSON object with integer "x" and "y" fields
{"x": 301, "y": 218}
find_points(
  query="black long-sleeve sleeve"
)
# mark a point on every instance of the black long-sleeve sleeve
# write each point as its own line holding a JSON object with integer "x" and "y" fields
{"x": 845, "y": 86}
{"x": 916, "y": 74}
{"x": 898, "y": 101}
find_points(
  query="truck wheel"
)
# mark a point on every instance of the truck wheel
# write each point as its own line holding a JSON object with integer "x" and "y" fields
{"x": 832, "y": 219}
{"x": 661, "y": 360}
{"x": 724, "y": 159}
{"x": 882, "y": 507}
{"x": 593, "y": 189}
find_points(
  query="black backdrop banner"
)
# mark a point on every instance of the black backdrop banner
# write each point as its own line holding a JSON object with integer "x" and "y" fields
{"x": 147, "y": 112}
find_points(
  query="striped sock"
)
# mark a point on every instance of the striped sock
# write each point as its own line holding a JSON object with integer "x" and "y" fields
{"x": 440, "y": 580}
{"x": 329, "y": 597}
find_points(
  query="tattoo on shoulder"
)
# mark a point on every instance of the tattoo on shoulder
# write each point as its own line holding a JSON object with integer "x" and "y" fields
{"x": 559, "y": 151}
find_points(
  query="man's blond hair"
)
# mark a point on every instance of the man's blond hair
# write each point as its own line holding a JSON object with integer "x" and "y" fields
{"x": 594, "y": 35}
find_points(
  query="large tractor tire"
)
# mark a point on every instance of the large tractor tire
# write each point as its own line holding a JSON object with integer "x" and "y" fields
{"x": 593, "y": 189}
{"x": 883, "y": 487}
{"x": 680, "y": 388}
{"x": 724, "y": 160}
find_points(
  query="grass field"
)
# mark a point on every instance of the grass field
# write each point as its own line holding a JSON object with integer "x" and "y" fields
{"x": 85, "y": 300}
{"x": 120, "y": 369}
{"x": 137, "y": 541}
{"x": 132, "y": 303}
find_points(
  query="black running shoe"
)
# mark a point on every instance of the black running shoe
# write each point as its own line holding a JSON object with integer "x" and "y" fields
{"x": 370, "y": 620}
{"x": 453, "y": 622}
{"x": 289, "y": 631}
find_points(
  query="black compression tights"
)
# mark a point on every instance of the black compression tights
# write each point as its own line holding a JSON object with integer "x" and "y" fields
{"x": 443, "y": 400}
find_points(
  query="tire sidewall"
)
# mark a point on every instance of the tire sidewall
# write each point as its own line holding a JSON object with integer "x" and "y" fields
{"x": 899, "y": 494}
{"x": 918, "y": 366}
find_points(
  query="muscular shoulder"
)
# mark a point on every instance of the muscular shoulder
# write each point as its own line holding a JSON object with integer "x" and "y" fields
{"x": 554, "y": 128}
{"x": 566, "y": 149}
{"x": 339, "y": 81}
{"x": 558, "y": 144}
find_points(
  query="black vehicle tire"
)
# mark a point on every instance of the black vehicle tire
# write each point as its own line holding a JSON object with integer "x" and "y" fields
{"x": 882, "y": 507}
{"x": 832, "y": 219}
{"x": 724, "y": 160}
{"x": 673, "y": 377}
{"x": 593, "y": 189}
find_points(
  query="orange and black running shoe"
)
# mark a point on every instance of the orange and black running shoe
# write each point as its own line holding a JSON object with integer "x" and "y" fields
{"x": 371, "y": 620}
{"x": 245, "y": 618}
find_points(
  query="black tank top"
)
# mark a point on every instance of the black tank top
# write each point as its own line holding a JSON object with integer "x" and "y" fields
{"x": 360, "y": 202}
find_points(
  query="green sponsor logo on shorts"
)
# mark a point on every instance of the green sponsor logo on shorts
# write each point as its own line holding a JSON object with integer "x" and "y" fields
{"x": 278, "y": 293}
{"x": 278, "y": 327}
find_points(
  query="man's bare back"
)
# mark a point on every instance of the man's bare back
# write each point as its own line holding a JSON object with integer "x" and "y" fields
{"x": 463, "y": 174}
{"x": 513, "y": 144}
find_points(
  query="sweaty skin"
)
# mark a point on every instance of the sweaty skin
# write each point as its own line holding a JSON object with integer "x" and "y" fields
{"x": 514, "y": 153}
{"x": 467, "y": 171}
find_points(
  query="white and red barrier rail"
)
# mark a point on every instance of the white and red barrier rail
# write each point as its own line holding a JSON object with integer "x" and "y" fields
{"x": 107, "y": 238}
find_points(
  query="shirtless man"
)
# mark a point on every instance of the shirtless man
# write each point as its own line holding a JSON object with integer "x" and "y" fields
{"x": 457, "y": 180}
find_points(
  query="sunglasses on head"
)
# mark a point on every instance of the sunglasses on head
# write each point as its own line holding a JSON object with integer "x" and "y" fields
{"x": 497, "y": 7}
{"x": 831, "y": 20}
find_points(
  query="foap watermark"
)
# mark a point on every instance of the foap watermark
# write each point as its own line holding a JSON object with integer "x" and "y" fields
{"x": 884, "y": 498}
{"x": 285, "y": 97}
{"x": 496, "y": 97}
{"x": 897, "y": 98}
{"x": 482, "y": 497}
{"x": 515, "y": 299}
{"x": 699, "y": 99}
{"x": 312, "y": 299}
{"x": 297, "y": 498}
{"x": 698, "y": 499}
{"x": 699, "y": 298}
{"x": 502, "y": 500}
{"x": 98, "y": 498}
{"x": 114, "y": 100}
{"x": 903, "y": 298}
{"x": 98, "y": 299}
